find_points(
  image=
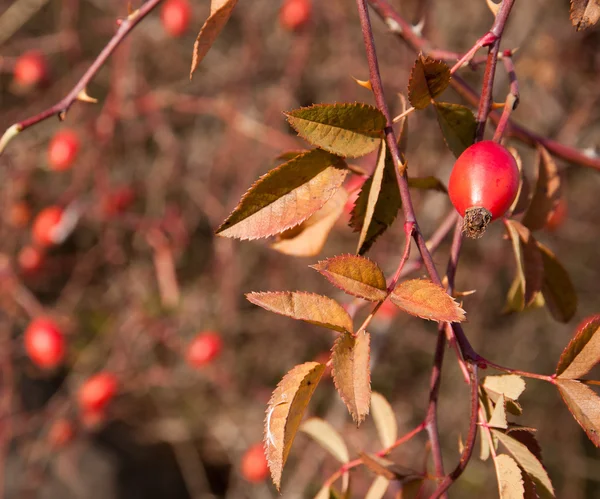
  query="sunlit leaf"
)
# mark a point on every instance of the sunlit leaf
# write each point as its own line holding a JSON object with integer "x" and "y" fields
{"x": 378, "y": 488}
{"x": 220, "y": 13}
{"x": 458, "y": 126}
{"x": 285, "y": 411}
{"x": 350, "y": 130}
{"x": 309, "y": 307}
{"x": 510, "y": 481}
{"x": 423, "y": 298}
{"x": 352, "y": 374}
{"x": 428, "y": 78}
{"x": 356, "y": 275}
{"x": 559, "y": 293}
{"x": 308, "y": 238}
{"x": 584, "y": 404}
{"x": 286, "y": 196}
{"x": 327, "y": 437}
{"x": 385, "y": 419}
{"x": 583, "y": 351}
{"x": 498, "y": 419}
{"x": 584, "y": 13}
{"x": 509, "y": 385}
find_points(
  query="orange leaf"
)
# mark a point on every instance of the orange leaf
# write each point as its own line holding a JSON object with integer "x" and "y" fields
{"x": 584, "y": 13}
{"x": 428, "y": 78}
{"x": 583, "y": 351}
{"x": 425, "y": 299}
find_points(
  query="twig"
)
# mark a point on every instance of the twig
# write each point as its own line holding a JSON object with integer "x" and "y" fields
{"x": 512, "y": 99}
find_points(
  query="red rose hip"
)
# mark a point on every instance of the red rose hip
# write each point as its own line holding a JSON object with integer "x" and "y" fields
{"x": 97, "y": 392}
{"x": 295, "y": 14}
{"x": 43, "y": 231}
{"x": 483, "y": 184}
{"x": 254, "y": 464}
{"x": 62, "y": 150}
{"x": 204, "y": 348}
{"x": 175, "y": 17}
{"x": 30, "y": 70}
{"x": 44, "y": 343}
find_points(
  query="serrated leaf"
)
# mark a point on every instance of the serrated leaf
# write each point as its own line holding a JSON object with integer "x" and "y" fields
{"x": 350, "y": 130}
{"x": 308, "y": 238}
{"x": 526, "y": 436}
{"x": 428, "y": 78}
{"x": 286, "y": 196}
{"x": 498, "y": 419}
{"x": 380, "y": 191}
{"x": 356, "y": 275}
{"x": 285, "y": 411}
{"x": 458, "y": 126}
{"x": 327, "y": 437}
{"x": 385, "y": 419}
{"x": 509, "y": 385}
{"x": 530, "y": 270}
{"x": 584, "y": 13}
{"x": 423, "y": 298}
{"x": 546, "y": 194}
{"x": 510, "y": 481}
{"x": 584, "y": 405}
{"x": 378, "y": 488}
{"x": 559, "y": 293}
{"x": 352, "y": 373}
{"x": 427, "y": 183}
{"x": 528, "y": 461}
{"x": 583, "y": 351}
{"x": 308, "y": 307}
{"x": 219, "y": 15}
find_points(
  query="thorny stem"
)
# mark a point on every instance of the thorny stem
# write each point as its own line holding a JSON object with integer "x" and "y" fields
{"x": 61, "y": 107}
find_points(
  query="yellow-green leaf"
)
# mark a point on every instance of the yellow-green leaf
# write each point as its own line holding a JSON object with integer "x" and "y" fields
{"x": 385, "y": 419}
{"x": 559, "y": 293}
{"x": 584, "y": 405}
{"x": 458, "y": 126}
{"x": 327, "y": 437}
{"x": 428, "y": 79}
{"x": 583, "y": 351}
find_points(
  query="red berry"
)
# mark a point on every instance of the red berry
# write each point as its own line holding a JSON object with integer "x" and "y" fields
{"x": 295, "y": 14}
{"x": 62, "y": 150}
{"x": 483, "y": 184}
{"x": 44, "y": 343}
{"x": 30, "y": 69}
{"x": 175, "y": 17}
{"x": 97, "y": 392}
{"x": 61, "y": 433}
{"x": 30, "y": 259}
{"x": 204, "y": 348}
{"x": 254, "y": 464}
{"x": 118, "y": 201}
{"x": 558, "y": 216}
{"x": 45, "y": 224}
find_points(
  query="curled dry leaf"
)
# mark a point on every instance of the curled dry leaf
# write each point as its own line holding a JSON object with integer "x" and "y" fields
{"x": 584, "y": 405}
{"x": 356, "y": 275}
{"x": 286, "y": 196}
{"x": 350, "y": 130}
{"x": 428, "y": 79}
{"x": 220, "y": 12}
{"x": 327, "y": 437}
{"x": 510, "y": 481}
{"x": 309, "y": 307}
{"x": 559, "y": 293}
{"x": 285, "y": 411}
{"x": 385, "y": 419}
{"x": 423, "y": 298}
{"x": 352, "y": 373}
{"x": 308, "y": 238}
{"x": 458, "y": 126}
{"x": 583, "y": 351}
{"x": 584, "y": 13}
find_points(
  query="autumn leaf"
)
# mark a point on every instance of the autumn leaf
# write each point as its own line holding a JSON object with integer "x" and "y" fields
{"x": 428, "y": 79}
{"x": 423, "y": 298}
{"x": 220, "y": 12}
{"x": 498, "y": 419}
{"x": 327, "y": 437}
{"x": 378, "y": 488}
{"x": 583, "y": 351}
{"x": 458, "y": 126}
{"x": 584, "y": 13}
{"x": 285, "y": 411}
{"x": 350, "y": 130}
{"x": 559, "y": 293}
{"x": 308, "y": 307}
{"x": 385, "y": 419}
{"x": 286, "y": 196}
{"x": 352, "y": 373}
{"x": 509, "y": 385}
{"x": 584, "y": 405}
{"x": 510, "y": 481}
{"x": 356, "y": 275}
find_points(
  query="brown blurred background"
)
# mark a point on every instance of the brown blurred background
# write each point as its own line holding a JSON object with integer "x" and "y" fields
{"x": 189, "y": 150}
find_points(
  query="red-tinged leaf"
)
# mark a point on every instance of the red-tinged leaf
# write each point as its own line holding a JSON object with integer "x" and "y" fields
{"x": 528, "y": 461}
{"x": 385, "y": 420}
{"x": 220, "y": 13}
{"x": 285, "y": 411}
{"x": 350, "y": 130}
{"x": 308, "y": 238}
{"x": 377, "y": 204}
{"x": 308, "y": 307}
{"x": 425, "y": 299}
{"x": 458, "y": 126}
{"x": 352, "y": 373}
{"x": 427, "y": 183}
{"x": 356, "y": 275}
{"x": 559, "y": 293}
{"x": 583, "y": 351}
{"x": 286, "y": 196}
{"x": 428, "y": 79}
{"x": 584, "y": 405}
{"x": 327, "y": 437}
{"x": 530, "y": 270}
{"x": 378, "y": 488}
{"x": 584, "y": 13}
{"x": 546, "y": 194}
{"x": 510, "y": 481}
{"x": 288, "y": 155}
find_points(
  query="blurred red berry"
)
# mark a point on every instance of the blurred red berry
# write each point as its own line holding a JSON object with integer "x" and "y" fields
{"x": 61, "y": 433}
{"x": 63, "y": 150}
{"x": 30, "y": 70}
{"x": 97, "y": 392}
{"x": 19, "y": 214}
{"x": 254, "y": 464}
{"x": 118, "y": 201}
{"x": 30, "y": 259}
{"x": 44, "y": 227}
{"x": 558, "y": 216}
{"x": 175, "y": 17}
{"x": 204, "y": 348}
{"x": 295, "y": 14}
{"x": 44, "y": 343}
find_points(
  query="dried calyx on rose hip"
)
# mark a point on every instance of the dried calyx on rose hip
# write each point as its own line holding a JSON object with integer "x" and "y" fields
{"x": 483, "y": 185}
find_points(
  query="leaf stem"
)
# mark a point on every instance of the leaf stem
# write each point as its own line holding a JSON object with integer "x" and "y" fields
{"x": 483, "y": 363}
